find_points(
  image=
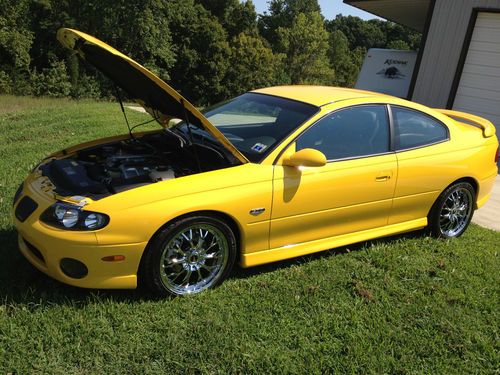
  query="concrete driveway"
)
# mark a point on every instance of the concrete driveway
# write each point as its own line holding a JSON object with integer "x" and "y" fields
{"x": 488, "y": 216}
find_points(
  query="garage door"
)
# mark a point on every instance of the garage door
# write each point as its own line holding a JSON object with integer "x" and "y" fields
{"x": 479, "y": 88}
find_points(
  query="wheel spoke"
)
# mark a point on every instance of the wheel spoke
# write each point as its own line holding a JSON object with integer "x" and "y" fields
{"x": 455, "y": 212}
{"x": 211, "y": 245}
{"x": 208, "y": 268}
{"x": 187, "y": 277}
{"x": 211, "y": 255}
{"x": 193, "y": 259}
{"x": 176, "y": 274}
{"x": 198, "y": 271}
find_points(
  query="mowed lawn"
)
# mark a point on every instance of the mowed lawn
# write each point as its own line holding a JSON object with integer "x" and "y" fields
{"x": 407, "y": 304}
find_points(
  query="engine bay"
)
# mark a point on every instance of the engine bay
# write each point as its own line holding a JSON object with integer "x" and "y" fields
{"x": 114, "y": 167}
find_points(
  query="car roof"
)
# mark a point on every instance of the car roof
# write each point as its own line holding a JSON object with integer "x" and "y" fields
{"x": 317, "y": 95}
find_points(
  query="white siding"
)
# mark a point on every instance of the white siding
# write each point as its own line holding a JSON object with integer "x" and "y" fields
{"x": 443, "y": 47}
{"x": 479, "y": 88}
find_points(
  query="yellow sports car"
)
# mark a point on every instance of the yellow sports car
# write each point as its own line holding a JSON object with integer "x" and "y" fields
{"x": 272, "y": 174}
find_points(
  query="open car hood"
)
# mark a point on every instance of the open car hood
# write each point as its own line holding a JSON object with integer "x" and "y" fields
{"x": 157, "y": 97}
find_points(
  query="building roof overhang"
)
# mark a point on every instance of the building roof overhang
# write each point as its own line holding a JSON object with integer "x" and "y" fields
{"x": 411, "y": 13}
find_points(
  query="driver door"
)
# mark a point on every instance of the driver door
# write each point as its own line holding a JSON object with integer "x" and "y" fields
{"x": 352, "y": 192}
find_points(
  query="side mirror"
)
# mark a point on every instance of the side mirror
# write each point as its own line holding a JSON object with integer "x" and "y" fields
{"x": 308, "y": 157}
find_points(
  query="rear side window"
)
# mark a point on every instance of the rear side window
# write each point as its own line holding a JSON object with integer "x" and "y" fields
{"x": 416, "y": 129}
{"x": 349, "y": 133}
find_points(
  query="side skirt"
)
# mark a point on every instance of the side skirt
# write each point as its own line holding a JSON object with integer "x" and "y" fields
{"x": 295, "y": 250}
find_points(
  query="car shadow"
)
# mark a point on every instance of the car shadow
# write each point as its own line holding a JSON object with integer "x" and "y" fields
{"x": 241, "y": 273}
{"x": 21, "y": 283}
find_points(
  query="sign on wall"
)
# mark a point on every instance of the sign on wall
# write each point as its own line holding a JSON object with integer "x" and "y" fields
{"x": 387, "y": 71}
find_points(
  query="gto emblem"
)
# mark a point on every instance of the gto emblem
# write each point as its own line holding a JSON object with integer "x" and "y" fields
{"x": 257, "y": 211}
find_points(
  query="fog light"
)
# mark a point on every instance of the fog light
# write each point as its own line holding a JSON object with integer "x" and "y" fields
{"x": 73, "y": 268}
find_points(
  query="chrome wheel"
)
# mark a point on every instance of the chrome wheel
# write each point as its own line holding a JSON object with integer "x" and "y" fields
{"x": 455, "y": 212}
{"x": 193, "y": 259}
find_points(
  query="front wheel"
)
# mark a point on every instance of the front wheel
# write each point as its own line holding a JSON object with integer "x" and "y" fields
{"x": 190, "y": 255}
{"x": 451, "y": 214}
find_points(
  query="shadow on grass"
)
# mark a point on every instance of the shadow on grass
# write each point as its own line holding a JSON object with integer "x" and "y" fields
{"x": 241, "y": 273}
{"x": 21, "y": 283}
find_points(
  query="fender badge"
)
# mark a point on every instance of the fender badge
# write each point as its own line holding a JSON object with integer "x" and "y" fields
{"x": 257, "y": 211}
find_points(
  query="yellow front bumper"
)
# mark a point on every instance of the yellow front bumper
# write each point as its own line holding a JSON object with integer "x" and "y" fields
{"x": 101, "y": 274}
{"x": 44, "y": 247}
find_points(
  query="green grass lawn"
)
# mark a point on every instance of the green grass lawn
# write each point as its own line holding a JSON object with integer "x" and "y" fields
{"x": 407, "y": 304}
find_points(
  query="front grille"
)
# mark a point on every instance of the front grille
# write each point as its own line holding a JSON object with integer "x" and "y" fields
{"x": 25, "y": 208}
{"x": 34, "y": 251}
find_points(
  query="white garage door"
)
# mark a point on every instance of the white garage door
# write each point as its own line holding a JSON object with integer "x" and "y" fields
{"x": 479, "y": 88}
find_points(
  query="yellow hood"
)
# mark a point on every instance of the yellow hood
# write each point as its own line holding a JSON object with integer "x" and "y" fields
{"x": 156, "y": 96}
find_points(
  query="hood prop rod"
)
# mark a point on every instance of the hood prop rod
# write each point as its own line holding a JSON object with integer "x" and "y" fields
{"x": 195, "y": 152}
{"x": 118, "y": 96}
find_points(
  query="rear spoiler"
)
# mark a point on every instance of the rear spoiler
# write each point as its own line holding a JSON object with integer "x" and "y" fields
{"x": 486, "y": 125}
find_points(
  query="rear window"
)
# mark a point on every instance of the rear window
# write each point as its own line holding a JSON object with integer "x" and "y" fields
{"x": 416, "y": 129}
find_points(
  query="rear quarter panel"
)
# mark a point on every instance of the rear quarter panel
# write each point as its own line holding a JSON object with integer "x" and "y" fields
{"x": 425, "y": 172}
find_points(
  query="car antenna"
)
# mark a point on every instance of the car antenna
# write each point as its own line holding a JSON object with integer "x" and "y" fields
{"x": 118, "y": 96}
{"x": 195, "y": 153}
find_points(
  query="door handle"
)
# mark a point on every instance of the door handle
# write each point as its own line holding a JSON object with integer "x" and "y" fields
{"x": 383, "y": 176}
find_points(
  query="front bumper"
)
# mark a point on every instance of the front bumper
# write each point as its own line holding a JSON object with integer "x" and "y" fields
{"x": 44, "y": 247}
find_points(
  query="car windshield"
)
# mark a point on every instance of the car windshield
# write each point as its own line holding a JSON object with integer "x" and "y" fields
{"x": 255, "y": 123}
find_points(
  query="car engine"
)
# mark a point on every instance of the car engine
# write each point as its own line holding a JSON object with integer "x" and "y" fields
{"x": 114, "y": 167}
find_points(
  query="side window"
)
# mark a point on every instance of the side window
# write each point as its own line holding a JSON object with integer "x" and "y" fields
{"x": 415, "y": 129}
{"x": 349, "y": 133}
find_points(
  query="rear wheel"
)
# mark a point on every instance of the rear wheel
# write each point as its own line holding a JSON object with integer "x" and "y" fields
{"x": 190, "y": 255}
{"x": 451, "y": 214}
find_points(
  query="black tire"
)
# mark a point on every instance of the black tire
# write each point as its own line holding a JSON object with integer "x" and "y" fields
{"x": 452, "y": 212}
{"x": 173, "y": 264}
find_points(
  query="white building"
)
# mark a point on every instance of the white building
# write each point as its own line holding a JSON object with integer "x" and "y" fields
{"x": 458, "y": 63}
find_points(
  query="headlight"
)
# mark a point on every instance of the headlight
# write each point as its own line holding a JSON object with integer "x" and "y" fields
{"x": 68, "y": 216}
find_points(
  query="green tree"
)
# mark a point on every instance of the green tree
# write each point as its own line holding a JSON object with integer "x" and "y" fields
{"x": 202, "y": 52}
{"x": 343, "y": 61}
{"x": 15, "y": 44}
{"x": 252, "y": 65}
{"x": 399, "y": 33}
{"x": 358, "y": 32}
{"x": 305, "y": 45}
{"x": 282, "y": 14}
{"x": 53, "y": 81}
{"x": 373, "y": 33}
{"x": 139, "y": 29}
{"x": 398, "y": 44}
{"x": 235, "y": 17}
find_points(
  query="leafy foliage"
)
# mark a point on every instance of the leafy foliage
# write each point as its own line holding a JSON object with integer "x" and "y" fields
{"x": 52, "y": 81}
{"x": 235, "y": 17}
{"x": 249, "y": 54}
{"x": 346, "y": 63}
{"x": 282, "y": 14}
{"x": 373, "y": 33}
{"x": 202, "y": 51}
{"x": 15, "y": 43}
{"x": 207, "y": 49}
{"x": 305, "y": 44}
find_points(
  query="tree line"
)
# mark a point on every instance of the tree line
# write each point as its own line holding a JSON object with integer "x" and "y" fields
{"x": 209, "y": 50}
